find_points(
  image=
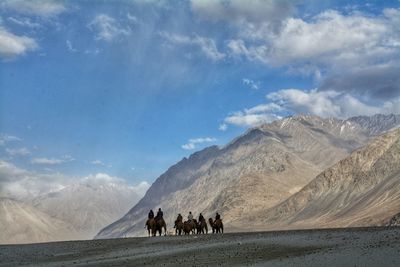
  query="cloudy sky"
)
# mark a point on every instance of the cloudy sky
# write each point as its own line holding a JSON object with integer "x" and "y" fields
{"x": 127, "y": 88}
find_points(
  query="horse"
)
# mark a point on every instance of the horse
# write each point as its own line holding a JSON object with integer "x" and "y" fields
{"x": 150, "y": 223}
{"x": 202, "y": 227}
{"x": 178, "y": 227}
{"x": 217, "y": 225}
{"x": 158, "y": 226}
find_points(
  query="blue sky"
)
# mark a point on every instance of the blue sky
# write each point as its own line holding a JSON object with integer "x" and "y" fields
{"x": 128, "y": 88}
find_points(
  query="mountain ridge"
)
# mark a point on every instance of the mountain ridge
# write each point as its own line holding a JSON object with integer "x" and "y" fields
{"x": 278, "y": 158}
{"x": 359, "y": 190}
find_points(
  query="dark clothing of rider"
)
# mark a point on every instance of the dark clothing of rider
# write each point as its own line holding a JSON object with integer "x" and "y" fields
{"x": 151, "y": 214}
{"x": 159, "y": 214}
{"x": 180, "y": 218}
{"x": 217, "y": 217}
{"x": 201, "y": 218}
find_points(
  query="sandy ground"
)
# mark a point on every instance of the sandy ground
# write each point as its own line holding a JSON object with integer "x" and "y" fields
{"x": 334, "y": 247}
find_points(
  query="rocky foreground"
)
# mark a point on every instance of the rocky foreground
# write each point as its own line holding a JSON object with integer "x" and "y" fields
{"x": 328, "y": 247}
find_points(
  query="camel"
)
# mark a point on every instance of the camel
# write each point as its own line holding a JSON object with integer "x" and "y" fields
{"x": 189, "y": 227}
{"x": 158, "y": 226}
{"x": 217, "y": 225}
{"x": 178, "y": 227}
{"x": 202, "y": 227}
{"x": 150, "y": 224}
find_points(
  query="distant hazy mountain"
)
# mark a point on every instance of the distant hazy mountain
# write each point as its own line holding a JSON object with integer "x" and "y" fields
{"x": 22, "y": 223}
{"x": 254, "y": 172}
{"x": 89, "y": 205}
{"x": 361, "y": 190}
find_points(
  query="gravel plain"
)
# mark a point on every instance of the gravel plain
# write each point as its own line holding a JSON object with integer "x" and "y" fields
{"x": 325, "y": 247}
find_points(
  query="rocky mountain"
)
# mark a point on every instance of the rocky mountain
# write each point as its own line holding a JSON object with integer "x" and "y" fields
{"x": 361, "y": 190}
{"x": 376, "y": 124}
{"x": 90, "y": 204}
{"x": 22, "y": 223}
{"x": 254, "y": 172}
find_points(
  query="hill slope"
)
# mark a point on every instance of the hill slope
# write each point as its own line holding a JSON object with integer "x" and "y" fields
{"x": 22, "y": 223}
{"x": 360, "y": 190}
{"x": 90, "y": 204}
{"x": 254, "y": 172}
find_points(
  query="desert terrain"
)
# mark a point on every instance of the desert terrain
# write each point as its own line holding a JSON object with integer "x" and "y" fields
{"x": 328, "y": 247}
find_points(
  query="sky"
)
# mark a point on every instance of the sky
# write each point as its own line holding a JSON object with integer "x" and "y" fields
{"x": 128, "y": 88}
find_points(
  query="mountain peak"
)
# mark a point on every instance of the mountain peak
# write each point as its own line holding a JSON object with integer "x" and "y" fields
{"x": 255, "y": 171}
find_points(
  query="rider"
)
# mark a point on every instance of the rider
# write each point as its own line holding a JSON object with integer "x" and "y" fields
{"x": 151, "y": 215}
{"x": 190, "y": 216}
{"x": 178, "y": 219}
{"x": 201, "y": 218}
{"x": 159, "y": 214}
{"x": 217, "y": 216}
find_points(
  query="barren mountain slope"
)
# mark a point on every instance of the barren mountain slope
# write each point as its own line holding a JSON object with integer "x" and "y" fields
{"x": 22, "y": 223}
{"x": 252, "y": 173}
{"x": 88, "y": 205}
{"x": 360, "y": 190}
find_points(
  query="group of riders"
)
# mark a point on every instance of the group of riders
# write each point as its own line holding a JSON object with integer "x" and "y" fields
{"x": 157, "y": 223}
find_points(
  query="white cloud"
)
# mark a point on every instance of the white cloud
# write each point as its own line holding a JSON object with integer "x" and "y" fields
{"x": 104, "y": 179}
{"x": 254, "y": 116}
{"x": 70, "y": 47}
{"x": 20, "y": 183}
{"x": 24, "y": 22}
{"x": 354, "y": 59}
{"x": 158, "y": 3}
{"x": 250, "y": 120}
{"x": 107, "y": 28}
{"x": 270, "y": 107}
{"x": 206, "y": 45}
{"x": 23, "y": 184}
{"x": 329, "y": 39}
{"x": 12, "y": 45}
{"x": 188, "y": 146}
{"x": 100, "y": 163}
{"x": 43, "y": 8}
{"x": 18, "y": 151}
{"x": 52, "y": 161}
{"x": 4, "y": 138}
{"x": 252, "y": 84}
{"x": 132, "y": 18}
{"x": 192, "y": 143}
{"x": 322, "y": 103}
{"x": 223, "y": 127}
{"x": 250, "y": 12}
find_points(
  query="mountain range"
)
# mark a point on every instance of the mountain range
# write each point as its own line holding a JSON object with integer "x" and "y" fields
{"x": 257, "y": 172}
{"x": 78, "y": 211}
{"x": 361, "y": 190}
{"x": 23, "y": 223}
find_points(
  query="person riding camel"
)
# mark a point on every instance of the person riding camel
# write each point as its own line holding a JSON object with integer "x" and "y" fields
{"x": 201, "y": 218}
{"x": 178, "y": 219}
{"x": 159, "y": 214}
{"x": 190, "y": 216}
{"x": 217, "y": 216}
{"x": 151, "y": 215}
